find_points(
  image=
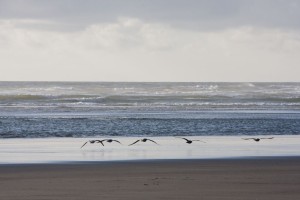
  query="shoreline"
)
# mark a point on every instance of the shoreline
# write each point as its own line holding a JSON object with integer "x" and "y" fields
{"x": 157, "y": 161}
{"x": 261, "y": 179}
{"x": 68, "y": 150}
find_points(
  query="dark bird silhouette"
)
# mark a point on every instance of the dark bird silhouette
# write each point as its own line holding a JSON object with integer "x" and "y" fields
{"x": 258, "y": 139}
{"x": 92, "y": 142}
{"x": 143, "y": 140}
{"x": 111, "y": 140}
{"x": 191, "y": 141}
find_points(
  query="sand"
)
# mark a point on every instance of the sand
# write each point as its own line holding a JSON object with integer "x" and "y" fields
{"x": 263, "y": 178}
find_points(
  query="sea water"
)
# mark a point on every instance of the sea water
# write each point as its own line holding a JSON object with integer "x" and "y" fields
{"x": 97, "y": 109}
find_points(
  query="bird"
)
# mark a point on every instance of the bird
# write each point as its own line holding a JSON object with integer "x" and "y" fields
{"x": 143, "y": 140}
{"x": 111, "y": 140}
{"x": 258, "y": 139}
{"x": 191, "y": 141}
{"x": 92, "y": 142}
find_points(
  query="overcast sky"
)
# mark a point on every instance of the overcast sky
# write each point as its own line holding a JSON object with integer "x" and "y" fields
{"x": 149, "y": 40}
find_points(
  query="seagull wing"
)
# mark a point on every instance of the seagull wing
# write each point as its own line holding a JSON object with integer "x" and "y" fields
{"x": 152, "y": 141}
{"x": 185, "y": 139}
{"x": 101, "y": 141}
{"x": 117, "y": 141}
{"x": 267, "y": 138}
{"x": 84, "y": 144}
{"x": 199, "y": 141}
{"x": 134, "y": 142}
{"x": 248, "y": 138}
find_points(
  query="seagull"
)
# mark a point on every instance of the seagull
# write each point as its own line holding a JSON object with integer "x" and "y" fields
{"x": 92, "y": 142}
{"x": 191, "y": 141}
{"x": 143, "y": 140}
{"x": 258, "y": 139}
{"x": 110, "y": 140}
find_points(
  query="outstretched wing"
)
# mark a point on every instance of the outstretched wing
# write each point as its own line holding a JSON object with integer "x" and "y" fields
{"x": 199, "y": 141}
{"x": 267, "y": 138}
{"x": 84, "y": 144}
{"x": 134, "y": 142}
{"x": 101, "y": 141}
{"x": 152, "y": 141}
{"x": 117, "y": 141}
{"x": 185, "y": 139}
{"x": 248, "y": 138}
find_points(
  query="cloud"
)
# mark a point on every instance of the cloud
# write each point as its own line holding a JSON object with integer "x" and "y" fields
{"x": 125, "y": 33}
{"x": 132, "y": 49}
{"x": 188, "y": 14}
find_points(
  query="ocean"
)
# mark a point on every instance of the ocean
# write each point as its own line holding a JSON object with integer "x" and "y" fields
{"x": 96, "y": 109}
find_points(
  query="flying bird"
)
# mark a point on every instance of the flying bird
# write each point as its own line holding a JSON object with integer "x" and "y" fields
{"x": 143, "y": 140}
{"x": 191, "y": 141}
{"x": 92, "y": 142}
{"x": 258, "y": 139}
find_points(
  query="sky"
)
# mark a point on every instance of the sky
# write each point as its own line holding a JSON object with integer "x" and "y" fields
{"x": 143, "y": 40}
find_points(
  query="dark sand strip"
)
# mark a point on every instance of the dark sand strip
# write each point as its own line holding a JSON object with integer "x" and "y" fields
{"x": 192, "y": 179}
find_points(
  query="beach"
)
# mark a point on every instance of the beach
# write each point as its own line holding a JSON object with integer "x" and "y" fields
{"x": 221, "y": 168}
{"x": 66, "y": 150}
{"x": 263, "y": 178}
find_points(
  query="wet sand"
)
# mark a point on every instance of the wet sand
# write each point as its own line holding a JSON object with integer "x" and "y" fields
{"x": 270, "y": 178}
{"x": 49, "y": 150}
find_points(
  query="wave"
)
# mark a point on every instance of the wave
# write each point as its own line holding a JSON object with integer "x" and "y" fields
{"x": 146, "y": 101}
{"x": 149, "y": 94}
{"x": 22, "y": 97}
{"x": 155, "y": 97}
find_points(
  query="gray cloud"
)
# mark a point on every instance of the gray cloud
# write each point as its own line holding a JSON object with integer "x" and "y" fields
{"x": 196, "y": 14}
{"x": 146, "y": 40}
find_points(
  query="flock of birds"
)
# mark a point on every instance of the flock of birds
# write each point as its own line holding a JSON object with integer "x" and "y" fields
{"x": 146, "y": 139}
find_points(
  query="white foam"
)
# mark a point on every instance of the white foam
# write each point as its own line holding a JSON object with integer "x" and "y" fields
{"x": 48, "y": 150}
